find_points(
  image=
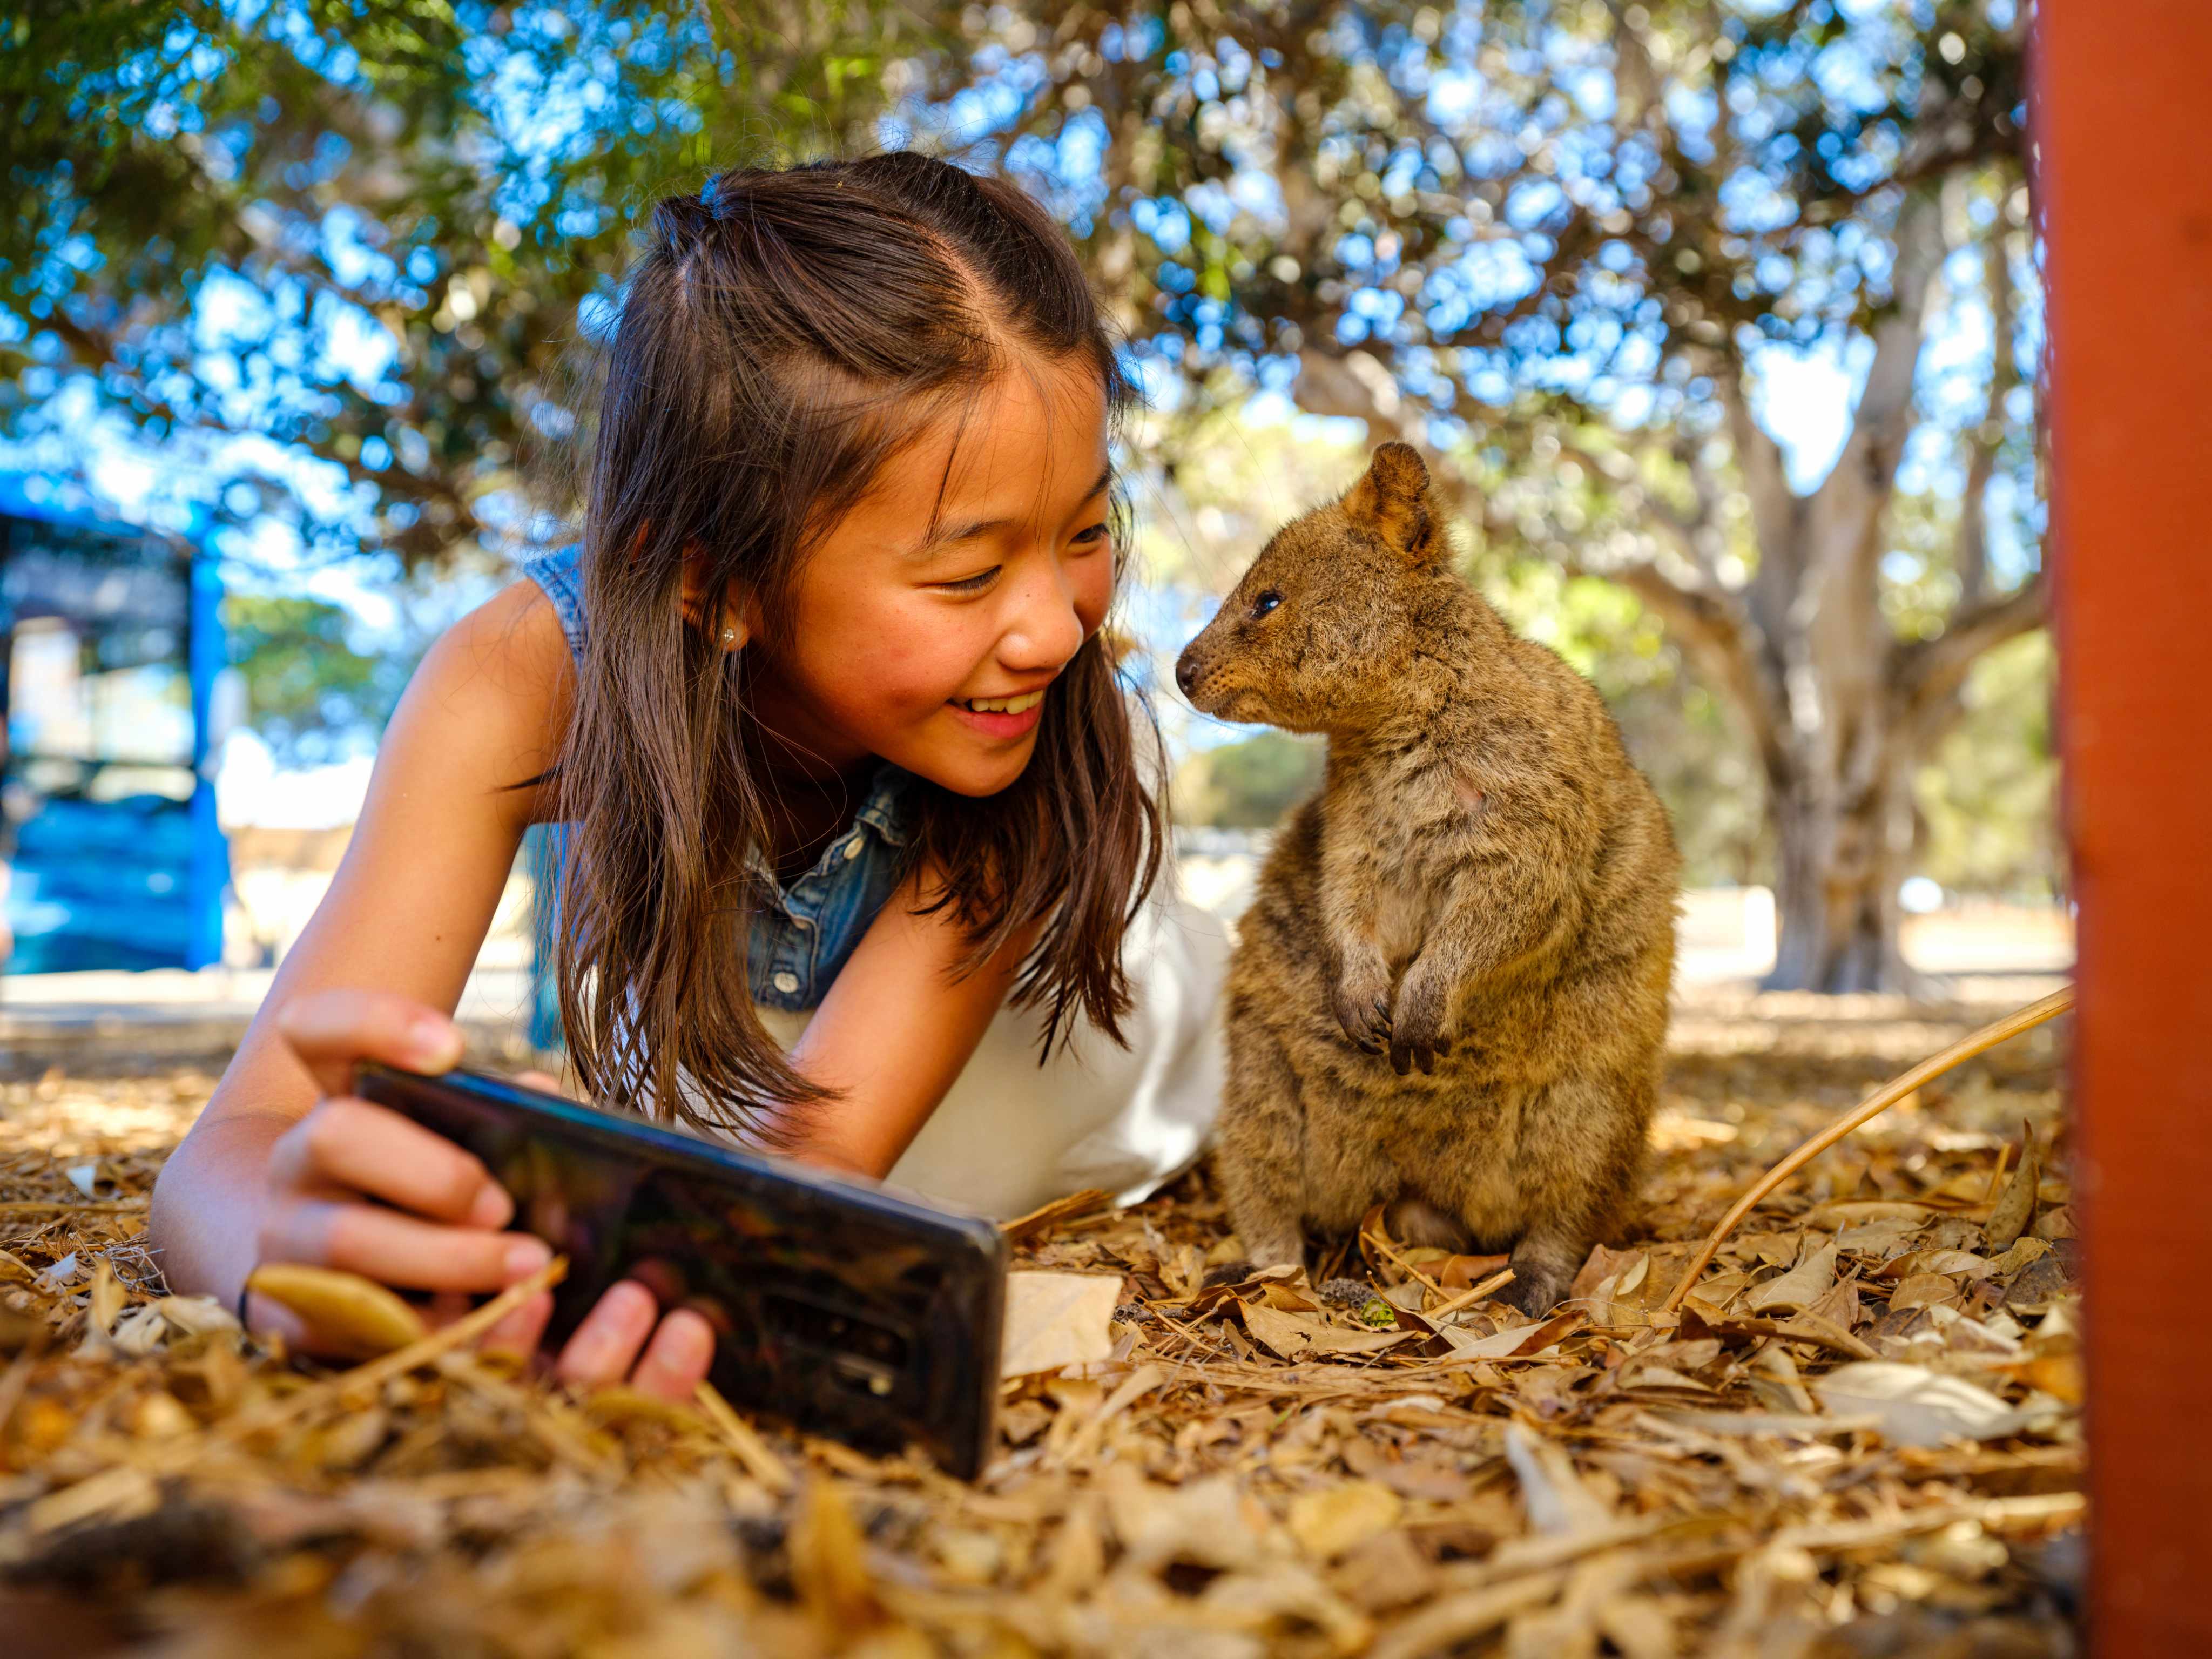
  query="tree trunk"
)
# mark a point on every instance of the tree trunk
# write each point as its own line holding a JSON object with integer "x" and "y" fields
{"x": 1841, "y": 855}
{"x": 1839, "y": 744}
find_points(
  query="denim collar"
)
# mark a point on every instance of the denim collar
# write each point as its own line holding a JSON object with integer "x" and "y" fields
{"x": 882, "y": 811}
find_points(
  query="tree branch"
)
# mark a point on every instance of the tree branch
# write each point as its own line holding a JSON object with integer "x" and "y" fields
{"x": 1971, "y": 554}
{"x": 1691, "y": 533}
{"x": 1930, "y": 671}
{"x": 1353, "y": 384}
{"x": 1711, "y": 628}
{"x": 1885, "y": 410}
{"x": 1758, "y": 458}
{"x": 1833, "y": 583}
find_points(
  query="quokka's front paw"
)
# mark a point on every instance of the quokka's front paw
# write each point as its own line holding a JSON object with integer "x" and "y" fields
{"x": 1417, "y": 1027}
{"x": 1363, "y": 1009}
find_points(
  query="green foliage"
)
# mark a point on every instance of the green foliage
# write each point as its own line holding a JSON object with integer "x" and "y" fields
{"x": 1987, "y": 795}
{"x": 451, "y": 179}
{"x": 1683, "y": 736}
{"x": 1249, "y": 784}
{"x": 308, "y": 688}
{"x": 1541, "y": 238}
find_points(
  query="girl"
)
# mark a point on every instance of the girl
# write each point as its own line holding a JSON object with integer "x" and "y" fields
{"x": 858, "y": 834}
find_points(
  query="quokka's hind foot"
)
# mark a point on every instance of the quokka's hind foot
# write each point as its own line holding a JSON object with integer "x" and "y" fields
{"x": 1543, "y": 1273}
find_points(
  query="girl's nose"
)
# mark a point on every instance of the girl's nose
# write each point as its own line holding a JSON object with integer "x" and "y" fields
{"x": 1046, "y": 630}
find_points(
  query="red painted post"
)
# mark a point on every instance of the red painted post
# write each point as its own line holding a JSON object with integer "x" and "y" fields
{"x": 2126, "y": 194}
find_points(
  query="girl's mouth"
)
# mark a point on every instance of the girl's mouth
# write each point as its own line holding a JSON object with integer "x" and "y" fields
{"x": 1001, "y": 717}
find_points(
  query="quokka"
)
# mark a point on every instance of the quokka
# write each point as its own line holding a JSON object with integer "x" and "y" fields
{"x": 1450, "y": 994}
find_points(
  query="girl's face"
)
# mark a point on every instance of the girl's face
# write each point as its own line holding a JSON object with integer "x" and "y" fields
{"x": 933, "y": 647}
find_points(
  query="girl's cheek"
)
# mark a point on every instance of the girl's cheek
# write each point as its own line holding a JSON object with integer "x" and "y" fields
{"x": 1094, "y": 593}
{"x": 875, "y": 668}
{"x": 934, "y": 657}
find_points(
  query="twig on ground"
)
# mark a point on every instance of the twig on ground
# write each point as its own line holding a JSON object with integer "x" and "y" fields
{"x": 1880, "y": 1100}
{"x": 1497, "y": 1281}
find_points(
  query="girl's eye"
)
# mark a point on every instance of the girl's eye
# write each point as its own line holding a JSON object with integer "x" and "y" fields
{"x": 1094, "y": 535}
{"x": 1266, "y": 602}
{"x": 975, "y": 584}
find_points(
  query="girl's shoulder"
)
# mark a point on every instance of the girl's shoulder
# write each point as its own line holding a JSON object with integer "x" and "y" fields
{"x": 487, "y": 705}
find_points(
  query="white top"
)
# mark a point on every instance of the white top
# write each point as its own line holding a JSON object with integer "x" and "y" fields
{"x": 1009, "y": 1135}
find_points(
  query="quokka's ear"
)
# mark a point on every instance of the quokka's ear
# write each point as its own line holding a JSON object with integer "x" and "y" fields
{"x": 1392, "y": 499}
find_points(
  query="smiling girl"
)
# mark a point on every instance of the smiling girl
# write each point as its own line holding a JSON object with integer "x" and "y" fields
{"x": 863, "y": 855}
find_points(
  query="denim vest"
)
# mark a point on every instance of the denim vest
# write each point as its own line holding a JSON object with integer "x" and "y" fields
{"x": 802, "y": 935}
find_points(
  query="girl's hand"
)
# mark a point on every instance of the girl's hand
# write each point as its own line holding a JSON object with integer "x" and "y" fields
{"x": 438, "y": 1226}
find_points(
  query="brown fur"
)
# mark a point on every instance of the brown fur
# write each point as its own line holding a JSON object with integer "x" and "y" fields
{"x": 1450, "y": 994}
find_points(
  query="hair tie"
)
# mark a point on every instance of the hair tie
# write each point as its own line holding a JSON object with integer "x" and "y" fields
{"x": 682, "y": 218}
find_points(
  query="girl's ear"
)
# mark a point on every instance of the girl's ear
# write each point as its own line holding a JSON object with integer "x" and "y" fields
{"x": 739, "y": 623}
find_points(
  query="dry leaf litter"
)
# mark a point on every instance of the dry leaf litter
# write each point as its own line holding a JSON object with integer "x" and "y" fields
{"x": 1861, "y": 1435}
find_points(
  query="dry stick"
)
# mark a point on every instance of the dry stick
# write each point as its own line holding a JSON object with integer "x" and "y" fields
{"x": 1191, "y": 1336}
{"x": 1497, "y": 1281}
{"x": 377, "y": 1372}
{"x": 1997, "y": 1175}
{"x": 1397, "y": 1260}
{"x": 2020, "y": 1019}
{"x": 763, "y": 1465}
{"x": 1805, "y": 1328}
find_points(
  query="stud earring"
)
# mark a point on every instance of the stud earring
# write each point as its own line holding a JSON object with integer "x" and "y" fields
{"x": 731, "y": 639}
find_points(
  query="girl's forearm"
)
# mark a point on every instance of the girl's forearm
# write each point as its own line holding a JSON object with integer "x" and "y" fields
{"x": 206, "y": 1223}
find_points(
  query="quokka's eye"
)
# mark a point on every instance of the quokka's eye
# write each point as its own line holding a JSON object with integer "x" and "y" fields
{"x": 1266, "y": 602}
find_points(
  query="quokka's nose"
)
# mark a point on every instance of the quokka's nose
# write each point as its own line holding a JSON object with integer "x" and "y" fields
{"x": 1186, "y": 673}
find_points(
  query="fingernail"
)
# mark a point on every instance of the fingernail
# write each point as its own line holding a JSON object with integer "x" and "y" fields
{"x": 698, "y": 1343}
{"x": 493, "y": 1209}
{"x": 525, "y": 1256}
{"x": 433, "y": 1043}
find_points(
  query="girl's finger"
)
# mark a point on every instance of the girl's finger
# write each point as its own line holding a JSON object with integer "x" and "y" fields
{"x": 364, "y": 1147}
{"x": 677, "y": 1358}
{"x": 399, "y": 1250}
{"x": 267, "y": 1321}
{"x": 607, "y": 1343}
{"x": 329, "y": 1030}
{"x": 443, "y": 1309}
{"x": 544, "y": 1082}
{"x": 520, "y": 1332}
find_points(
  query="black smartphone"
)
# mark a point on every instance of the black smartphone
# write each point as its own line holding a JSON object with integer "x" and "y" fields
{"x": 845, "y": 1308}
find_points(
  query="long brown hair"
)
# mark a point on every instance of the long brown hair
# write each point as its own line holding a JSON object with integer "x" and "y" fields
{"x": 783, "y": 335}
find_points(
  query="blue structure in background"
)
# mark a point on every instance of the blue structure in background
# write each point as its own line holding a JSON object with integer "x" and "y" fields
{"x": 111, "y": 643}
{"x": 545, "y": 855}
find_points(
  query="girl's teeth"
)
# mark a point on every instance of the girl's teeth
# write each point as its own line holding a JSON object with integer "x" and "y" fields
{"x": 1005, "y": 705}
